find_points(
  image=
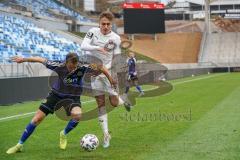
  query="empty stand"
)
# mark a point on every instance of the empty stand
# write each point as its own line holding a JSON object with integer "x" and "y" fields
{"x": 19, "y": 37}
{"x": 43, "y": 7}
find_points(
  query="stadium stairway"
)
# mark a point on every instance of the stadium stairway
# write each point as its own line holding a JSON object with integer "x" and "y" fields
{"x": 222, "y": 49}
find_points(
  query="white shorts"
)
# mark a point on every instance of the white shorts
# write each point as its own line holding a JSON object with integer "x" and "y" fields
{"x": 101, "y": 86}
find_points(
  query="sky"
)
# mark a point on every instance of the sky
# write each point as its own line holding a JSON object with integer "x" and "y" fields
{"x": 165, "y": 1}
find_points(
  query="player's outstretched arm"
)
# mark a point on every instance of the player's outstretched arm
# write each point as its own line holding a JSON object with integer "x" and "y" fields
{"x": 20, "y": 59}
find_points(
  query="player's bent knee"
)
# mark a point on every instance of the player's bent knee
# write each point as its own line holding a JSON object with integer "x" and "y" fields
{"x": 38, "y": 117}
{"x": 76, "y": 113}
{"x": 37, "y": 120}
{"x": 114, "y": 102}
{"x": 76, "y": 117}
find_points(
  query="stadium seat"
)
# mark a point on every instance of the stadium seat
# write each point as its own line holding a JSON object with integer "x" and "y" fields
{"x": 23, "y": 38}
{"x": 42, "y": 8}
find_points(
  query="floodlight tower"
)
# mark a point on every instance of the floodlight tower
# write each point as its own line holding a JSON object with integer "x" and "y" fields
{"x": 208, "y": 15}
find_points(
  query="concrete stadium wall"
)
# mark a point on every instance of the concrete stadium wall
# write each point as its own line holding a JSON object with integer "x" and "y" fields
{"x": 170, "y": 47}
{"x": 222, "y": 49}
{"x": 176, "y": 74}
{"x": 16, "y": 90}
{"x": 11, "y": 70}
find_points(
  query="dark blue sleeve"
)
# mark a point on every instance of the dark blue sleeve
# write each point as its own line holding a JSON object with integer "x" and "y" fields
{"x": 52, "y": 64}
{"x": 129, "y": 62}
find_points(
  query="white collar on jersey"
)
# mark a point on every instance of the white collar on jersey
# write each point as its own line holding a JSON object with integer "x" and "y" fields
{"x": 106, "y": 34}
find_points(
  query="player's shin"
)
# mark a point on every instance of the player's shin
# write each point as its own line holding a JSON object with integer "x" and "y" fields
{"x": 102, "y": 118}
{"x": 27, "y": 132}
{"x": 70, "y": 126}
{"x": 63, "y": 138}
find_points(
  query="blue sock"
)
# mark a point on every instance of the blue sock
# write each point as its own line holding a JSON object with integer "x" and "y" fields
{"x": 71, "y": 125}
{"x": 139, "y": 88}
{"x": 127, "y": 89}
{"x": 28, "y": 131}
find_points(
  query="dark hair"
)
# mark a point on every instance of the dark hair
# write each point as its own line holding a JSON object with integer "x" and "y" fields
{"x": 72, "y": 57}
{"x": 107, "y": 15}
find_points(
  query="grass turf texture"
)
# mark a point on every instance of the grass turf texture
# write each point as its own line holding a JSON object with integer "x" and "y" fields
{"x": 212, "y": 133}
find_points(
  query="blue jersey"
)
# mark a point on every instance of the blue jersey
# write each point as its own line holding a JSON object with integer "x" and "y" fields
{"x": 131, "y": 66}
{"x": 67, "y": 84}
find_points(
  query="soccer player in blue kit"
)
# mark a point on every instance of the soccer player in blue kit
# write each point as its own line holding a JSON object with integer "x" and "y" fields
{"x": 132, "y": 74}
{"x": 69, "y": 85}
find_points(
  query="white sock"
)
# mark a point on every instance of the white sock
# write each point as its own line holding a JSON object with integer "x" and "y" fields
{"x": 120, "y": 100}
{"x": 103, "y": 120}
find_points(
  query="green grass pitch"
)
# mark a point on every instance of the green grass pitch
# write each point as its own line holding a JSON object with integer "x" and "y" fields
{"x": 198, "y": 120}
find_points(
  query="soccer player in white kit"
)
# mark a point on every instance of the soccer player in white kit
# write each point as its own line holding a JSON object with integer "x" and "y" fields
{"x": 103, "y": 43}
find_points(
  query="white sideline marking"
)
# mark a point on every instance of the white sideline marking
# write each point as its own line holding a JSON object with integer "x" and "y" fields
{"x": 197, "y": 79}
{"x": 30, "y": 113}
{"x": 18, "y": 115}
{"x": 176, "y": 83}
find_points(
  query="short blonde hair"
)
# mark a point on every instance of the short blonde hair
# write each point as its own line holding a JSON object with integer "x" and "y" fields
{"x": 107, "y": 14}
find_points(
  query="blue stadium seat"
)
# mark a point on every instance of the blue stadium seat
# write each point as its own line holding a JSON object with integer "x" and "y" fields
{"x": 24, "y": 38}
{"x": 42, "y": 8}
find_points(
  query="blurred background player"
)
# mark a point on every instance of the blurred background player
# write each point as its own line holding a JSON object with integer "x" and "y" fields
{"x": 132, "y": 78}
{"x": 104, "y": 44}
{"x": 68, "y": 86}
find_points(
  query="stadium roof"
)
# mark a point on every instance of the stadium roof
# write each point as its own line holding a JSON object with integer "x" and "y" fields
{"x": 215, "y": 2}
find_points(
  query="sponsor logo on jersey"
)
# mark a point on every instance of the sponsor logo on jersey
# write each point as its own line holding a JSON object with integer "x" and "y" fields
{"x": 89, "y": 35}
{"x": 110, "y": 45}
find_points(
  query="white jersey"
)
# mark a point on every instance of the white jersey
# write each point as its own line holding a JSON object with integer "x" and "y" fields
{"x": 95, "y": 40}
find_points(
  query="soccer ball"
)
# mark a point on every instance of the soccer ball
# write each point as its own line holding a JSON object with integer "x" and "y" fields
{"x": 89, "y": 142}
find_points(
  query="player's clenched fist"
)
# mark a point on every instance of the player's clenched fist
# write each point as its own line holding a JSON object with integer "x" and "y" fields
{"x": 18, "y": 59}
